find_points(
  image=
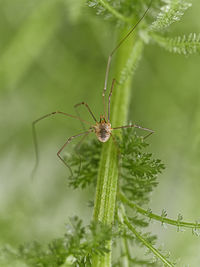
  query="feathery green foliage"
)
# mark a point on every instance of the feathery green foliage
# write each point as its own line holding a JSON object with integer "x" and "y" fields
{"x": 84, "y": 164}
{"x": 171, "y": 12}
{"x": 120, "y": 11}
{"x": 74, "y": 249}
{"x": 138, "y": 178}
{"x": 138, "y": 170}
{"x": 185, "y": 45}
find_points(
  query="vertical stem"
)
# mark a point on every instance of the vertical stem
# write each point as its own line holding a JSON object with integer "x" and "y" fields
{"x": 106, "y": 190}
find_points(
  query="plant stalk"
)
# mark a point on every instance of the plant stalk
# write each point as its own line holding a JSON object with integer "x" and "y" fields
{"x": 106, "y": 191}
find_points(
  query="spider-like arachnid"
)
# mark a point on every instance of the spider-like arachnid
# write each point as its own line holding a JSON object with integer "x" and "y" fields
{"x": 101, "y": 128}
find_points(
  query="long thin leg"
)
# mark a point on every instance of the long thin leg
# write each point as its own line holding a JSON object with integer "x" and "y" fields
{"x": 84, "y": 129}
{"x": 83, "y": 137}
{"x": 83, "y": 103}
{"x": 66, "y": 143}
{"x": 135, "y": 126}
{"x": 35, "y": 135}
{"x": 77, "y": 148}
{"x": 78, "y": 114}
{"x": 110, "y": 94}
{"x": 115, "y": 49}
{"x": 144, "y": 137}
{"x": 80, "y": 143}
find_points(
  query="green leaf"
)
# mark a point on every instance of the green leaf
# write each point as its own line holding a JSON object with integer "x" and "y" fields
{"x": 138, "y": 168}
{"x": 171, "y": 12}
{"x": 147, "y": 243}
{"x": 84, "y": 163}
{"x": 185, "y": 45}
{"x": 121, "y": 11}
{"x": 74, "y": 249}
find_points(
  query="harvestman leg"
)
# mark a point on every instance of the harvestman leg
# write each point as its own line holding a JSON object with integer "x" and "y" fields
{"x": 136, "y": 126}
{"x": 109, "y": 101}
{"x": 84, "y": 136}
{"x": 83, "y": 126}
{"x": 86, "y": 105}
{"x": 78, "y": 114}
{"x": 35, "y": 135}
{"x": 66, "y": 143}
{"x": 109, "y": 97}
{"x": 126, "y": 126}
{"x": 113, "y": 52}
{"x": 94, "y": 118}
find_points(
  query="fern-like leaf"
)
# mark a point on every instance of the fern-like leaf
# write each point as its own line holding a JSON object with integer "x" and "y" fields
{"x": 84, "y": 163}
{"x": 171, "y": 12}
{"x": 185, "y": 45}
{"x": 74, "y": 249}
{"x": 138, "y": 169}
{"x": 121, "y": 11}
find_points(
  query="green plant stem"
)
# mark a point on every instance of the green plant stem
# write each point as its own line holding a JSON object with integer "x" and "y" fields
{"x": 127, "y": 257}
{"x": 157, "y": 217}
{"x": 106, "y": 190}
{"x": 114, "y": 11}
{"x": 146, "y": 243}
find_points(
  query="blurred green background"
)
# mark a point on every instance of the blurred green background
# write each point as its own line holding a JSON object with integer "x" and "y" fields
{"x": 53, "y": 55}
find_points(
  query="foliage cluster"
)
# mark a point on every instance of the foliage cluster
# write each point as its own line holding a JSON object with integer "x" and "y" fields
{"x": 138, "y": 178}
{"x": 74, "y": 249}
{"x": 139, "y": 170}
{"x": 169, "y": 12}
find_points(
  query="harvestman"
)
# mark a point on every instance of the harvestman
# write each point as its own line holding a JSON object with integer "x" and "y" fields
{"x": 102, "y": 129}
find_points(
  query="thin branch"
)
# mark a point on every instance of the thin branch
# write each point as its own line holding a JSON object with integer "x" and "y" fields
{"x": 114, "y": 11}
{"x": 157, "y": 217}
{"x": 146, "y": 243}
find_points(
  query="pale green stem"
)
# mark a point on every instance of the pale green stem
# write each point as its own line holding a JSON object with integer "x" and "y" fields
{"x": 107, "y": 181}
{"x": 126, "y": 257}
{"x": 114, "y": 11}
{"x": 157, "y": 217}
{"x": 146, "y": 243}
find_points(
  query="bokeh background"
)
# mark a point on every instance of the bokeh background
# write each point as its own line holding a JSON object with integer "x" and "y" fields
{"x": 53, "y": 55}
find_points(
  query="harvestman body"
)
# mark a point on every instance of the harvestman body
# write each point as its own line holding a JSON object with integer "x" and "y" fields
{"x": 102, "y": 129}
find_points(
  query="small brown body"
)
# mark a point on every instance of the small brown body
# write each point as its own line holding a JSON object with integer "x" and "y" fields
{"x": 103, "y": 130}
